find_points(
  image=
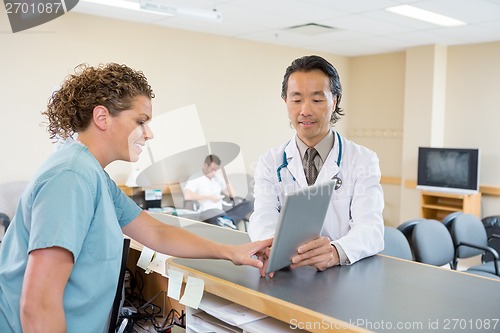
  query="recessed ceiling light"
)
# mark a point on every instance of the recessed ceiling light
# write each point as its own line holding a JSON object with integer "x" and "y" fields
{"x": 425, "y": 15}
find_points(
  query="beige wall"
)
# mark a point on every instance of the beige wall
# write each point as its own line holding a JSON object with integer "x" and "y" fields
{"x": 473, "y": 109}
{"x": 375, "y": 115}
{"x": 236, "y": 85}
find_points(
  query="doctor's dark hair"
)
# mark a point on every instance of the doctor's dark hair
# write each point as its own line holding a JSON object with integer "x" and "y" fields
{"x": 314, "y": 62}
{"x": 70, "y": 109}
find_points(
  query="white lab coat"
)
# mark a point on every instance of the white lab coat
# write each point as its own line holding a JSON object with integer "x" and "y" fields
{"x": 354, "y": 218}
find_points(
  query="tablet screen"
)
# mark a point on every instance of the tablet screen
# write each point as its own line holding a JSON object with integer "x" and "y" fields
{"x": 300, "y": 221}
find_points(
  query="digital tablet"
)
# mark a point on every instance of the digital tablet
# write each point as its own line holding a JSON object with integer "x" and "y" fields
{"x": 300, "y": 221}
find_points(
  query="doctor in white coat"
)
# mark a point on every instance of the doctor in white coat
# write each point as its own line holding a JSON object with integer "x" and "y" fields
{"x": 353, "y": 227}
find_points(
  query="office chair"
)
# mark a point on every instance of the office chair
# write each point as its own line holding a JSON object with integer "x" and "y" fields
{"x": 470, "y": 239}
{"x": 432, "y": 243}
{"x": 448, "y": 219}
{"x": 407, "y": 229}
{"x": 191, "y": 205}
{"x": 396, "y": 244}
{"x": 492, "y": 226}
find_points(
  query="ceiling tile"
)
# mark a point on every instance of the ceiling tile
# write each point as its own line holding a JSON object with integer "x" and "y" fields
{"x": 364, "y": 26}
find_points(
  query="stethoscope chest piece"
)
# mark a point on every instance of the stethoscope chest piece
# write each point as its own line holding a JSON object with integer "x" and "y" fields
{"x": 338, "y": 184}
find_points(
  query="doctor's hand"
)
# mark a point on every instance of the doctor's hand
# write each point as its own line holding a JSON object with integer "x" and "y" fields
{"x": 318, "y": 253}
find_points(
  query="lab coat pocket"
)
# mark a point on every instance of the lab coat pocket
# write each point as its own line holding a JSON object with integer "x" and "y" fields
{"x": 340, "y": 206}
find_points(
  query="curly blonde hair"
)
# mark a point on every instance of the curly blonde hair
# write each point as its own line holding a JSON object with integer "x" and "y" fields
{"x": 114, "y": 86}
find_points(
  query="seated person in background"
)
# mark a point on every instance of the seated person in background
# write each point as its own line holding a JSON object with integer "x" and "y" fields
{"x": 208, "y": 189}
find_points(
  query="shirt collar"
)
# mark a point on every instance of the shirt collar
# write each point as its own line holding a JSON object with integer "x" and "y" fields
{"x": 323, "y": 147}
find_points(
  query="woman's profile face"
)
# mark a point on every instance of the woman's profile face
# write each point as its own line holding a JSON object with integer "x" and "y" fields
{"x": 131, "y": 130}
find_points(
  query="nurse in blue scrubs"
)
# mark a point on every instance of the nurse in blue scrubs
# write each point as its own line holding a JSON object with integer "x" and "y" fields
{"x": 60, "y": 258}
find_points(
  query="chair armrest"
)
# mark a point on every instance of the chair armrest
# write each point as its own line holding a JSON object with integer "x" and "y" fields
{"x": 493, "y": 236}
{"x": 238, "y": 200}
{"x": 191, "y": 204}
{"x": 489, "y": 249}
{"x": 232, "y": 201}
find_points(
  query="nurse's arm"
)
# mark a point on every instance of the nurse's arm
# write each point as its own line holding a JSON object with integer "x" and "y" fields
{"x": 46, "y": 276}
{"x": 178, "y": 242}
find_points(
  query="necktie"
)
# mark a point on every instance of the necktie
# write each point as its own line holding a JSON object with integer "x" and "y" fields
{"x": 311, "y": 170}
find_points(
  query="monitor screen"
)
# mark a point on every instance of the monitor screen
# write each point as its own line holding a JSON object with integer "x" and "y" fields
{"x": 448, "y": 169}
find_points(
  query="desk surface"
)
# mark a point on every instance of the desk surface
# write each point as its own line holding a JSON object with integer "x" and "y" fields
{"x": 378, "y": 293}
{"x": 202, "y": 229}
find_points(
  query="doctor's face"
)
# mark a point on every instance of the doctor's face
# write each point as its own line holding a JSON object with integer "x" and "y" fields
{"x": 310, "y": 104}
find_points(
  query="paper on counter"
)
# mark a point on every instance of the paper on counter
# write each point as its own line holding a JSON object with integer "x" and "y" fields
{"x": 174, "y": 284}
{"x": 193, "y": 292}
{"x": 235, "y": 314}
{"x": 158, "y": 263}
{"x": 145, "y": 259}
{"x": 207, "y": 323}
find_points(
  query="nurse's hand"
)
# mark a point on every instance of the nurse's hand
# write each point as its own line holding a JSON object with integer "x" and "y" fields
{"x": 318, "y": 253}
{"x": 249, "y": 253}
{"x": 264, "y": 257}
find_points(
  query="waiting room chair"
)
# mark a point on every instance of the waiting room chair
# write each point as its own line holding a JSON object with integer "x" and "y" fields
{"x": 396, "y": 244}
{"x": 492, "y": 226}
{"x": 432, "y": 243}
{"x": 448, "y": 219}
{"x": 470, "y": 239}
{"x": 407, "y": 229}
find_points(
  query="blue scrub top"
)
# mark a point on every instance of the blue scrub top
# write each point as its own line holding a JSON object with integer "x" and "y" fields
{"x": 70, "y": 203}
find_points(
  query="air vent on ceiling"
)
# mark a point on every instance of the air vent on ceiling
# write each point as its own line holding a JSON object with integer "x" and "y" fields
{"x": 311, "y": 29}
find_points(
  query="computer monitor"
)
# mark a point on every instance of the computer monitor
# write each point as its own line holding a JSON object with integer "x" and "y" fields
{"x": 120, "y": 291}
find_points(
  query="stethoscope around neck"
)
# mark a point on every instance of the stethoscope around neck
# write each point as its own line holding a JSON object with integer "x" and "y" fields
{"x": 339, "y": 159}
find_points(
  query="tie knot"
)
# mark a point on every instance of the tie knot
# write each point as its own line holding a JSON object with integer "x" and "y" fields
{"x": 311, "y": 154}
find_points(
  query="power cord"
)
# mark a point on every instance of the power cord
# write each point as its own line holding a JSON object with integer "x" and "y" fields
{"x": 139, "y": 312}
